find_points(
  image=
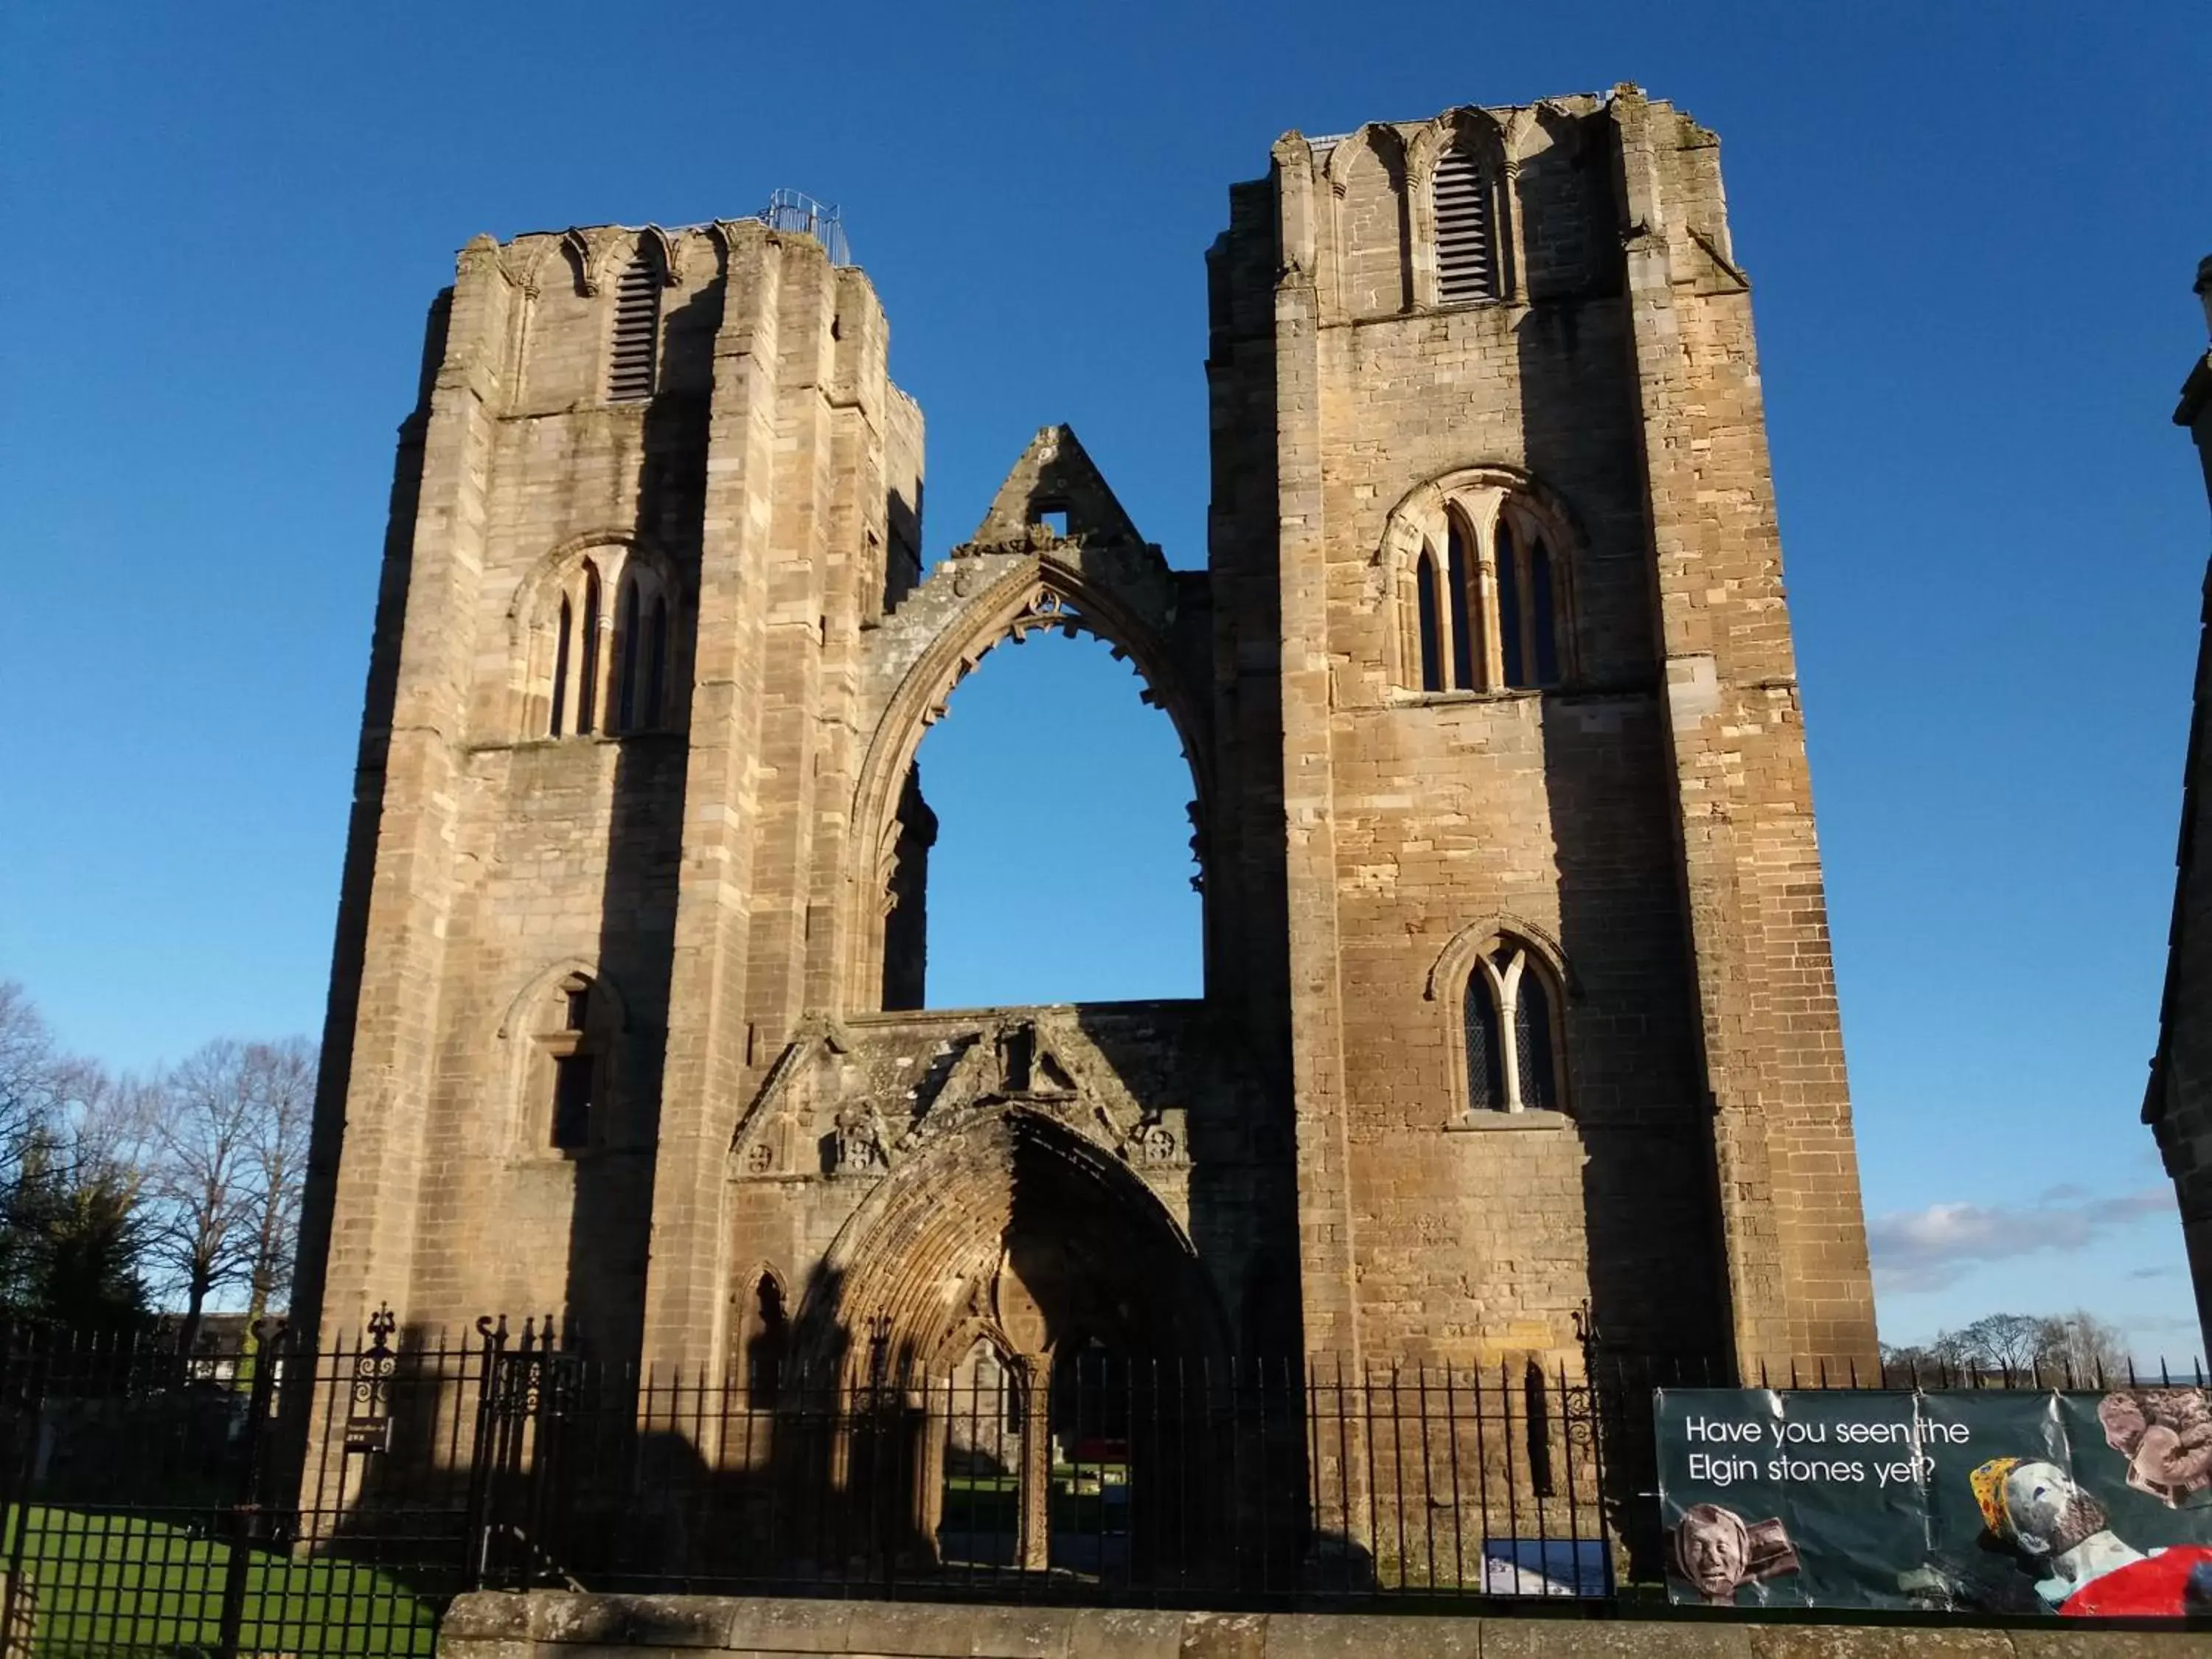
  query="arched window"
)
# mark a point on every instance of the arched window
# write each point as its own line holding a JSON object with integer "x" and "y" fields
{"x": 573, "y": 701}
{"x": 1427, "y": 587}
{"x": 1489, "y": 616}
{"x": 1466, "y": 255}
{"x": 1511, "y": 1015}
{"x": 656, "y": 663}
{"x": 572, "y": 1106}
{"x": 1486, "y": 1047}
{"x": 1460, "y": 571}
{"x": 1526, "y": 608}
{"x": 766, "y": 1342}
{"x": 561, "y": 647}
{"x": 632, "y": 353}
{"x": 587, "y": 681}
{"x": 626, "y": 631}
{"x": 602, "y": 659}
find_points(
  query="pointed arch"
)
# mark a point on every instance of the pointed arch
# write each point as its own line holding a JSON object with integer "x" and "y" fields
{"x": 565, "y": 1032}
{"x": 667, "y": 258}
{"x": 514, "y": 1018}
{"x": 1480, "y": 183}
{"x": 1523, "y": 542}
{"x": 1371, "y": 232}
{"x": 1506, "y": 986}
{"x": 1040, "y": 591}
{"x": 761, "y": 1317}
{"x": 929, "y": 1248}
{"x": 551, "y": 667}
{"x": 581, "y": 248}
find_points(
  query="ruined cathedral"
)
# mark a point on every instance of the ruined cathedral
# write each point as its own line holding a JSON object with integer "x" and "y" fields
{"x": 1519, "y": 1036}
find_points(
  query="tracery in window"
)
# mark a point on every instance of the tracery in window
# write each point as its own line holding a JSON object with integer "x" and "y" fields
{"x": 601, "y": 668}
{"x": 1511, "y": 1012}
{"x": 1488, "y": 615}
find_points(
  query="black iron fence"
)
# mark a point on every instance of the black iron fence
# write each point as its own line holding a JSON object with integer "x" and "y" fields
{"x": 236, "y": 1497}
{"x": 253, "y": 1496}
{"x": 1151, "y": 1481}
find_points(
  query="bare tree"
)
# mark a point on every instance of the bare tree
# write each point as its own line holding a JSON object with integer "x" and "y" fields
{"x": 69, "y": 1226}
{"x": 29, "y": 1092}
{"x": 2087, "y": 1349}
{"x": 284, "y": 1083}
{"x": 202, "y": 1128}
{"x": 2078, "y": 1344}
{"x": 224, "y": 1152}
{"x": 1995, "y": 1342}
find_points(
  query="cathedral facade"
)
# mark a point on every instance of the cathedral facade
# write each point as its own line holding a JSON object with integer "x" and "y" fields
{"x": 1519, "y": 1036}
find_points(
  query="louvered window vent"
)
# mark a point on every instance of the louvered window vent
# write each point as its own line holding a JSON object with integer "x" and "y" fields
{"x": 637, "y": 328}
{"x": 1467, "y": 264}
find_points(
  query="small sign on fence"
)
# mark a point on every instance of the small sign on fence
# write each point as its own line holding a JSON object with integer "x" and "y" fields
{"x": 365, "y": 1435}
{"x": 368, "y": 1415}
{"x": 1984, "y": 1500}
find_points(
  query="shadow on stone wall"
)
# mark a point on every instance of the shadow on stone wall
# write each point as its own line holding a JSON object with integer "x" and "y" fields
{"x": 611, "y": 1219}
{"x": 1649, "y": 1206}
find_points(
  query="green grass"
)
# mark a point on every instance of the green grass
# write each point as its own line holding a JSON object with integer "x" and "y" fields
{"x": 109, "y": 1583}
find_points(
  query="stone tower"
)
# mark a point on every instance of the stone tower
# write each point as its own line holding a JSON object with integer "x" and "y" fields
{"x": 2178, "y": 1104}
{"x": 1519, "y": 1033}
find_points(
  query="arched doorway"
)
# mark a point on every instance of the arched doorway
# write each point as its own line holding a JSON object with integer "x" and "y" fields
{"x": 1017, "y": 1300}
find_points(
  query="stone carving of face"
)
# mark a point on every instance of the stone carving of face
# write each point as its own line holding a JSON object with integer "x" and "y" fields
{"x": 1714, "y": 1549}
{"x": 2045, "y": 1512}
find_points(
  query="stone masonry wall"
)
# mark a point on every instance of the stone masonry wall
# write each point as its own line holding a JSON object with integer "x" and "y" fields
{"x": 1291, "y": 1164}
{"x": 1420, "y": 819}
{"x": 554, "y": 1625}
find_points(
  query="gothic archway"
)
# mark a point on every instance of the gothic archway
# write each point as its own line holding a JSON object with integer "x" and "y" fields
{"x": 1122, "y": 597}
{"x": 1014, "y": 1223}
{"x": 1017, "y": 1237}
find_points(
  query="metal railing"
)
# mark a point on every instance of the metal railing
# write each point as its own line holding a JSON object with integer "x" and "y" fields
{"x": 254, "y": 1496}
{"x": 1110, "y": 1480}
{"x": 235, "y": 1497}
{"x": 792, "y": 210}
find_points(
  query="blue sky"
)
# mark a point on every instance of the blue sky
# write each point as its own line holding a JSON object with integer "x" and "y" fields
{"x": 1972, "y": 229}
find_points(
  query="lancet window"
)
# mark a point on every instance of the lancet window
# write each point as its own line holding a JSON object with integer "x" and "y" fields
{"x": 1482, "y": 607}
{"x": 604, "y": 649}
{"x": 1513, "y": 1047}
{"x": 567, "y": 1036}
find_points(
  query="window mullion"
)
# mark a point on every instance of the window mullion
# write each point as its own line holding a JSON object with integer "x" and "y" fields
{"x": 1490, "y": 669}
{"x": 1508, "y": 1029}
{"x": 1451, "y": 610}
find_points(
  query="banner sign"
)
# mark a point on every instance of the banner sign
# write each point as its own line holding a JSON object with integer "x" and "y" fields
{"x": 1989, "y": 1500}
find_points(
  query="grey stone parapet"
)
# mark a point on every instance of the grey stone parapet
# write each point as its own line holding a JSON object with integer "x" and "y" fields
{"x": 563, "y": 1625}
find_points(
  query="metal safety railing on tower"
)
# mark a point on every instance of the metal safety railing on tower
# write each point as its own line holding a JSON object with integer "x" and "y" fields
{"x": 792, "y": 210}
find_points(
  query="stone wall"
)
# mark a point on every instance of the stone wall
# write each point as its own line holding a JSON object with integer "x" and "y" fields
{"x": 553, "y": 1624}
{"x": 1639, "y": 820}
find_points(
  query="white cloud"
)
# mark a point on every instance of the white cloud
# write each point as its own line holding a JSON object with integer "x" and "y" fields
{"x": 1926, "y": 1249}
